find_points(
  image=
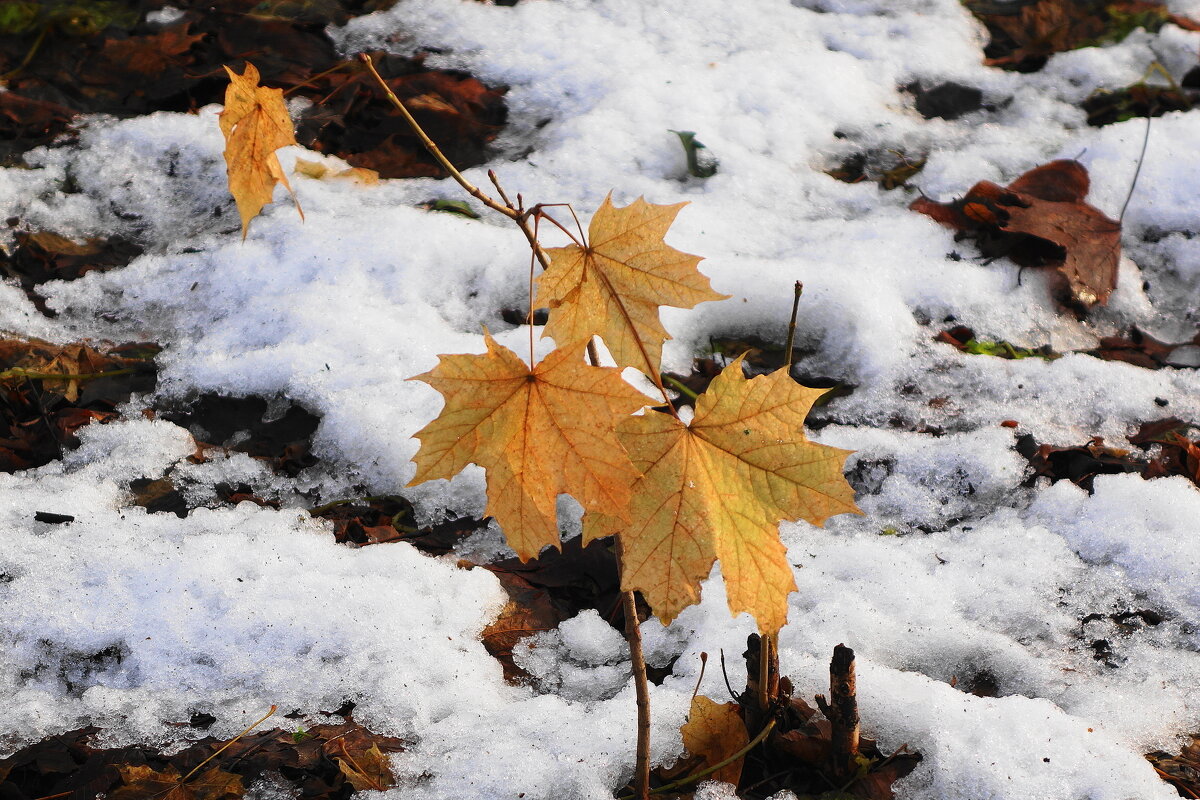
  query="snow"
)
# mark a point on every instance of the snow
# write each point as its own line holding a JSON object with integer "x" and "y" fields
{"x": 957, "y": 573}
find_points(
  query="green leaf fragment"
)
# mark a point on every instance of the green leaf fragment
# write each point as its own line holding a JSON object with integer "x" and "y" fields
{"x": 17, "y": 18}
{"x": 701, "y": 163}
{"x": 452, "y": 207}
{"x": 1003, "y": 349}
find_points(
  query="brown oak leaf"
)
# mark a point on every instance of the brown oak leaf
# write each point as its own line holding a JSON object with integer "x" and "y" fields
{"x": 366, "y": 769}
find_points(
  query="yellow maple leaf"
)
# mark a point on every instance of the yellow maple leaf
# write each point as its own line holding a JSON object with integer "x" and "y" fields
{"x": 613, "y": 286}
{"x": 718, "y": 488}
{"x": 715, "y": 731}
{"x": 255, "y": 123}
{"x": 370, "y": 769}
{"x": 537, "y": 432}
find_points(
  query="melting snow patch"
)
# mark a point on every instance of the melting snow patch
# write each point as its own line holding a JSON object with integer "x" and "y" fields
{"x": 1077, "y": 612}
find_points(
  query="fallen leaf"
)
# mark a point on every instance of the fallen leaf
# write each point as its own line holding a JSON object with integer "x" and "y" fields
{"x": 890, "y": 169}
{"x": 460, "y": 207}
{"x": 317, "y": 170}
{"x": 963, "y": 338}
{"x": 40, "y": 256}
{"x": 148, "y": 57}
{"x": 39, "y": 413}
{"x": 1143, "y": 350}
{"x": 538, "y": 432}
{"x": 310, "y": 169}
{"x": 142, "y": 782}
{"x": 1040, "y": 219}
{"x": 1181, "y": 771}
{"x": 612, "y": 286}
{"x": 255, "y": 123}
{"x": 350, "y": 118}
{"x": 1080, "y": 465}
{"x": 715, "y": 732}
{"x": 1024, "y": 34}
{"x": 1105, "y": 107}
{"x": 366, "y": 769}
{"x": 947, "y": 100}
{"x": 529, "y": 610}
{"x": 311, "y": 764}
{"x": 717, "y": 489}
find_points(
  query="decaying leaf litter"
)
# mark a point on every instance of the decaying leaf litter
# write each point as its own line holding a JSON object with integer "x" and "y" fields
{"x": 908, "y": 482}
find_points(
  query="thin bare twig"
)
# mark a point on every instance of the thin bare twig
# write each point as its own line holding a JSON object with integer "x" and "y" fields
{"x": 228, "y": 744}
{"x": 791, "y": 334}
{"x": 515, "y": 213}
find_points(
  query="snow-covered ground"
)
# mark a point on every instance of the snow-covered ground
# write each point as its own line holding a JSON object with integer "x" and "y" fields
{"x": 229, "y": 611}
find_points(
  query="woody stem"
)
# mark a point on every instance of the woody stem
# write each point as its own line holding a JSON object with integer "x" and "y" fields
{"x": 517, "y": 215}
{"x": 633, "y": 634}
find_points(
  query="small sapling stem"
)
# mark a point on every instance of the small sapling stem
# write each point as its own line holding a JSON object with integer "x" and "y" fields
{"x": 842, "y": 710}
{"x": 695, "y": 777}
{"x": 641, "y": 684}
{"x": 637, "y": 659}
{"x": 764, "y": 671}
{"x": 791, "y": 334}
{"x": 515, "y": 213}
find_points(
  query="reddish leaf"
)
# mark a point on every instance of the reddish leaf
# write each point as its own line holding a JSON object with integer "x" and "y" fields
{"x": 528, "y": 611}
{"x": 1141, "y": 349}
{"x": 151, "y": 56}
{"x": 1041, "y": 220}
{"x": 1062, "y": 181}
{"x": 1024, "y": 34}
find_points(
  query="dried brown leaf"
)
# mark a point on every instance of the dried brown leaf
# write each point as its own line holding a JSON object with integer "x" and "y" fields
{"x": 1041, "y": 220}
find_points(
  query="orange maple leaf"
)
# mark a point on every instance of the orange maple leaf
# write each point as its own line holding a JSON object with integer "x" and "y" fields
{"x": 256, "y": 124}
{"x": 537, "y": 432}
{"x": 613, "y": 286}
{"x": 715, "y": 731}
{"x": 718, "y": 488}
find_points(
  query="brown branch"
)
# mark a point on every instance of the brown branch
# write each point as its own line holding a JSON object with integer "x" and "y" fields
{"x": 516, "y": 214}
{"x": 842, "y": 710}
{"x": 641, "y": 684}
{"x": 791, "y": 334}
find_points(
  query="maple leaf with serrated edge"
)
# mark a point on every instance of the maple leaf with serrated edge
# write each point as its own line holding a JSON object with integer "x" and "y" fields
{"x": 718, "y": 488}
{"x": 255, "y": 123}
{"x": 141, "y": 782}
{"x": 715, "y": 731}
{"x": 537, "y": 432}
{"x": 613, "y": 286}
{"x": 369, "y": 770}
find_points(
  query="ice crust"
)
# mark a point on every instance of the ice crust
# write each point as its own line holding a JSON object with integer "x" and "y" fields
{"x": 957, "y": 574}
